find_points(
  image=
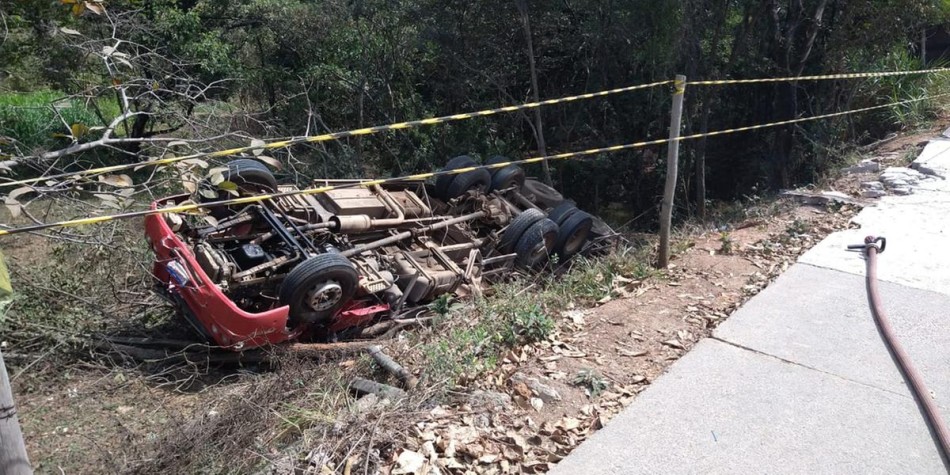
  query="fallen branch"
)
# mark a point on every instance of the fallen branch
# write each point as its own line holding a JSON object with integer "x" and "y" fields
{"x": 126, "y": 346}
{"x": 321, "y": 348}
{"x": 393, "y": 367}
{"x": 362, "y": 386}
{"x": 192, "y": 357}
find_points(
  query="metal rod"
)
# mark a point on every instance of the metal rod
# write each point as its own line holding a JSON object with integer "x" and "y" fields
{"x": 296, "y": 228}
{"x": 279, "y": 229}
{"x": 407, "y": 234}
{"x": 463, "y": 246}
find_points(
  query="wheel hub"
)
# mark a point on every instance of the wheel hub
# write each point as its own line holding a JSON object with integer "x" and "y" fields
{"x": 324, "y": 295}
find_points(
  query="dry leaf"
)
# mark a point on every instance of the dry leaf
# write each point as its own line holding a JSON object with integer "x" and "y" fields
{"x": 674, "y": 344}
{"x": 270, "y": 161}
{"x": 95, "y": 7}
{"x": 631, "y": 353}
{"x": 13, "y": 206}
{"x": 409, "y": 462}
{"x": 522, "y": 390}
{"x": 196, "y": 162}
{"x": 18, "y": 192}
{"x": 121, "y": 181}
{"x": 259, "y": 144}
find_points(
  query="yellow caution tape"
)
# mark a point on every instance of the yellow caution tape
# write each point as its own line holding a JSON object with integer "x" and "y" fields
{"x": 338, "y": 135}
{"x": 6, "y": 288}
{"x": 368, "y": 183}
{"x": 821, "y": 77}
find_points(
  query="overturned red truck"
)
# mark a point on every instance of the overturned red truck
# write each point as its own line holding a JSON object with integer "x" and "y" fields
{"x": 327, "y": 266}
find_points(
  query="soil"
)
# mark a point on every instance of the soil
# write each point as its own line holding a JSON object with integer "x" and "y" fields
{"x": 84, "y": 416}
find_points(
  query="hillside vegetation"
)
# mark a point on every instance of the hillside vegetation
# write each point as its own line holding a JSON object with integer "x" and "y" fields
{"x": 221, "y": 73}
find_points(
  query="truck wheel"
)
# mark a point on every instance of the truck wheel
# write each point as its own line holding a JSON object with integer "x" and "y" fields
{"x": 250, "y": 176}
{"x": 544, "y": 195}
{"x": 442, "y": 182}
{"x": 560, "y": 212}
{"x": 536, "y": 244}
{"x": 318, "y": 287}
{"x": 494, "y": 160}
{"x": 507, "y": 177}
{"x": 518, "y": 226}
{"x": 573, "y": 234}
{"x": 479, "y": 180}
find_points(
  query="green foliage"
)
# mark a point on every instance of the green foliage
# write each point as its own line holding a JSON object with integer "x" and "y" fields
{"x": 529, "y": 325}
{"x": 726, "y": 243}
{"x": 298, "y": 66}
{"x": 592, "y": 279}
{"x": 81, "y": 289}
{"x": 592, "y": 382}
{"x": 445, "y": 304}
{"x": 43, "y": 118}
{"x": 471, "y": 339}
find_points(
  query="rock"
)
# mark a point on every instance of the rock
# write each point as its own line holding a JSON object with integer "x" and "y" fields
{"x": 366, "y": 403}
{"x": 489, "y": 400}
{"x": 409, "y": 462}
{"x": 902, "y": 190}
{"x": 895, "y": 182}
{"x": 865, "y": 166}
{"x": 946, "y": 133}
{"x": 872, "y": 185}
{"x": 823, "y": 198}
{"x": 873, "y": 193}
{"x": 894, "y": 177}
{"x": 545, "y": 392}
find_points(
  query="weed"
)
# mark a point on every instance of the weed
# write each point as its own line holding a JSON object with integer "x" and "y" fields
{"x": 444, "y": 304}
{"x": 593, "y": 383}
{"x": 680, "y": 246}
{"x": 726, "y": 243}
{"x": 797, "y": 227}
{"x": 909, "y": 156}
{"x": 530, "y": 325}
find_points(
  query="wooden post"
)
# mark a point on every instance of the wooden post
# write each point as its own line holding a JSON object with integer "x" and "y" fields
{"x": 13, "y": 458}
{"x": 672, "y": 162}
{"x": 923, "y": 49}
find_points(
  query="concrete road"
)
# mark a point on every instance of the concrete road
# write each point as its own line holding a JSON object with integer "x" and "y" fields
{"x": 798, "y": 380}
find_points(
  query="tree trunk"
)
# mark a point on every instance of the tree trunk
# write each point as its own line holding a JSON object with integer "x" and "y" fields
{"x": 701, "y": 157}
{"x": 529, "y": 49}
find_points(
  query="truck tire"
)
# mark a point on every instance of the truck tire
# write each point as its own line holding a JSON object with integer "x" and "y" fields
{"x": 544, "y": 195}
{"x": 250, "y": 176}
{"x": 536, "y": 244}
{"x": 573, "y": 234}
{"x": 318, "y": 288}
{"x": 494, "y": 160}
{"x": 560, "y": 212}
{"x": 518, "y": 226}
{"x": 507, "y": 177}
{"x": 442, "y": 182}
{"x": 479, "y": 180}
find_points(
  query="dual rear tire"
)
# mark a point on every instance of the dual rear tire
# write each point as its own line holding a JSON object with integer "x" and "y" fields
{"x": 451, "y": 186}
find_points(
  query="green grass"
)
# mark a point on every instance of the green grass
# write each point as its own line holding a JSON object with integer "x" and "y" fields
{"x": 471, "y": 339}
{"x": 35, "y": 118}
